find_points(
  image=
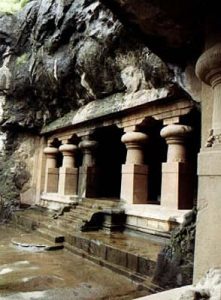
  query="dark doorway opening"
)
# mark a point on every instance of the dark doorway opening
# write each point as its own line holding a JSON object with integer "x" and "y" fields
{"x": 57, "y": 143}
{"x": 110, "y": 156}
{"x": 155, "y": 153}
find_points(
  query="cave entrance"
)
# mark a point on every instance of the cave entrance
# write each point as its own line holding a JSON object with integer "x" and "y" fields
{"x": 110, "y": 156}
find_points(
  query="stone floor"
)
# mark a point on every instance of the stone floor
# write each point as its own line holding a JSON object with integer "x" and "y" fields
{"x": 31, "y": 273}
{"x": 130, "y": 254}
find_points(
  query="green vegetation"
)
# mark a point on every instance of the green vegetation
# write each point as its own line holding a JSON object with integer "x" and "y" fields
{"x": 11, "y": 6}
{"x": 22, "y": 59}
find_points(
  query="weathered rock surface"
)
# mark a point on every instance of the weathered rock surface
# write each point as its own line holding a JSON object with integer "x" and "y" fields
{"x": 175, "y": 262}
{"x": 168, "y": 26}
{"x": 58, "y": 55}
{"x": 209, "y": 287}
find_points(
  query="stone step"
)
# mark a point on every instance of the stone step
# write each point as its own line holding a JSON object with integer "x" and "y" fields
{"x": 134, "y": 255}
{"x": 144, "y": 280}
{"x": 77, "y": 216}
{"x": 99, "y": 203}
{"x": 26, "y": 222}
{"x": 81, "y": 212}
{"x": 85, "y": 217}
{"x": 50, "y": 235}
{"x": 82, "y": 208}
{"x": 31, "y": 218}
{"x": 69, "y": 219}
{"x": 36, "y": 243}
{"x": 67, "y": 223}
{"x": 63, "y": 227}
{"x": 124, "y": 255}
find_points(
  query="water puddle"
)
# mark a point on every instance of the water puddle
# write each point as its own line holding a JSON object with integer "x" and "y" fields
{"x": 28, "y": 272}
{"x": 30, "y": 248}
{"x": 5, "y": 271}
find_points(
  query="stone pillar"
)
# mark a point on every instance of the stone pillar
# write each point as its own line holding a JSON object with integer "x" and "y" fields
{"x": 88, "y": 177}
{"x": 208, "y": 243}
{"x": 134, "y": 181}
{"x": 68, "y": 174}
{"x": 51, "y": 172}
{"x": 177, "y": 173}
{"x": 88, "y": 147}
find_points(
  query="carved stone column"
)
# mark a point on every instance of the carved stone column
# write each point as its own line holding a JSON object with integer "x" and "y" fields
{"x": 88, "y": 147}
{"x": 51, "y": 172}
{"x": 208, "y": 69}
{"x": 88, "y": 173}
{"x": 177, "y": 186}
{"x": 68, "y": 174}
{"x": 134, "y": 183}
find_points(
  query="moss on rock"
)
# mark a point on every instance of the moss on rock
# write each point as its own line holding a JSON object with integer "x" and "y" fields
{"x": 12, "y": 6}
{"x": 175, "y": 262}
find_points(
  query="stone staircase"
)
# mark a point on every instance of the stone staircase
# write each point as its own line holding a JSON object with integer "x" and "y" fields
{"x": 88, "y": 215}
{"x": 82, "y": 230}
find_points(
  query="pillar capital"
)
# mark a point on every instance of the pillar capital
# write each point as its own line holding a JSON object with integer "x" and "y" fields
{"x": 50, "y": 151}
{"x": 68, "y": 151}
{"x": 175, "y": 136}
{"x": 134, "y": 137}
{"x": 208, "y": 66}
{"x": 51, "y": 157}
{"x": 68, "y": 148}
{"x": 175, "y": 133}
{"x": 208, "y": 69}
{"x": 134, "y": 142}
{"x": 88, "y": 146}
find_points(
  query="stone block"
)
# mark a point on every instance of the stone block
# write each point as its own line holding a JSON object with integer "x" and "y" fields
{"x": 143, "y": 266}
{"x": 51, "y": 185}
{"x": 116, "y": 256}
{"x": 134, "y": 184}
{"x": 177, "y": 185}
{"x": 70, "y": 239}
{"x": 88, "y": 184}
{"x": 68, "y": 179}
{"x": 132, "y": 262}
{"x": 98, "y": 250}
{"x": 146, "y": 266}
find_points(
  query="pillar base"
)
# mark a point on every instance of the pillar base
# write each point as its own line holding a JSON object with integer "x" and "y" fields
{"x": 208, "y": 243}
{"x": 51, "y": 185}
{"x": 177, "y": 185}
{"x": 68, "y": 181}
{"x": 88, "y": 181}
{"x": 134, "y": 188}
{"x": 54, "y": 201}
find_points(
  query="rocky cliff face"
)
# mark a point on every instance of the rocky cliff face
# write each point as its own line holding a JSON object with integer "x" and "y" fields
{"x": 58, "y": 55}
